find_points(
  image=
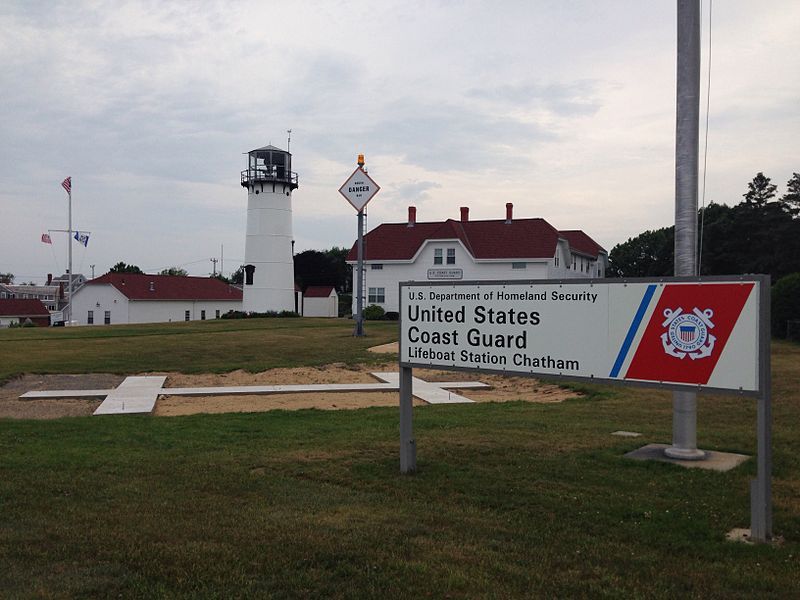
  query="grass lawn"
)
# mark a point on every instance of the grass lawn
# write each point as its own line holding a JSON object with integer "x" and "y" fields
{"x": 511, "y": 500}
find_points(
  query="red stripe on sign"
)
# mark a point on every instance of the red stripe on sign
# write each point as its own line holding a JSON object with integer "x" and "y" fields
{"x": 667, "y": 353}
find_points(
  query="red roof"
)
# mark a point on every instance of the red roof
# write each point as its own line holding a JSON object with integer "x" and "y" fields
{"x": 496, "y": 239}
{"x": 23, "y": 308}
{"x": 318, "y": 291}
{"x": 580, "y": 242}
{"x": 168, "y": 287}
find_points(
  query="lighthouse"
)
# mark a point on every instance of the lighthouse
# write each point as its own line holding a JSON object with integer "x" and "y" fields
{"x": 269, "y": 266}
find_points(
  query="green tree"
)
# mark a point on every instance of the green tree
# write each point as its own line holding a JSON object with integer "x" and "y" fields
{"x": 792, "y": 196}
{"x": 7, "y": 278}
{"x": 237, "y": 277}
{"x": 649, "y": 254}
{"x": 122, "y": 267}
{"x": 759, "y": 191}
{"x": 175, "y": 271}
{"x": 785, "y": 303}
{"x": 344, "y": 272}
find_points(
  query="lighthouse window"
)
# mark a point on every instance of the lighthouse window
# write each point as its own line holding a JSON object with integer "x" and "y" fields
{"x": 451, "y": 256}
{"x": 437, "y": 256}
{"x": 248, "y": 274}
{"x": 376, "y": 295}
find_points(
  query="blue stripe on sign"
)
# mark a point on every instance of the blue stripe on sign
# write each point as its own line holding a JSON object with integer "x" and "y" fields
{"x": 637, "y": 320}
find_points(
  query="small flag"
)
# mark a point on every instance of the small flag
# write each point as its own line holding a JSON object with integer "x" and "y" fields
{"x": 67, "y": 184}
{"x": 46, "y": 238}
{"x": 82, "y": 238}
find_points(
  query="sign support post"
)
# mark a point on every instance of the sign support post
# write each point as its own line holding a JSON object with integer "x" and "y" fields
{"x": 408, "y": 445}
{"x": 359, "y": 332}
{"x": 761, "y": 486}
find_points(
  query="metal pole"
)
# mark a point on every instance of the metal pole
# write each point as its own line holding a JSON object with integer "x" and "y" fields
{"x": 408, "y": 446}
{"x": 69, "y": 245}
{"x": 687, "y": 136}
{"x": 761, "y": 487}
{"x": 359, "y": 276}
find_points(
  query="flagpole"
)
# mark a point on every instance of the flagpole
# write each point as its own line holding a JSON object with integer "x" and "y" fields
{"x": 69, "y": 245}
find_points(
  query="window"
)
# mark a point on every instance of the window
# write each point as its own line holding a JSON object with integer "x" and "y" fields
{"x": 90, "y": 317}
{"x": 202, "y": 315}
{"x": 437, "y": 256}
{"x": 376, "y": 267}
{"x": 376, "y": 295}
{"x": 107, "y": 317}
{"x": 555, "y": 260}
{"x": 519, "y": 265}
{"x": 574, "y": 262}
{"x": 451, "y": 256}
{"x": 216, "y": 314}
{"x": 186, "y": 315}
{"x": 2, "y": 294}
{"x": 248, "y": 274}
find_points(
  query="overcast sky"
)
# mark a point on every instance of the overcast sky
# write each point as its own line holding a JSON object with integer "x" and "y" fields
{"x": 566, "y": 109}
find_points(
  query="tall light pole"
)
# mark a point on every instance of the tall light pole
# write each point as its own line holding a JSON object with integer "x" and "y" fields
{"x": 687, "y": 136}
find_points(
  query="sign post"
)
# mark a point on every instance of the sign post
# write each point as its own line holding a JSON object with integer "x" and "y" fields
{"x": 699, "y": 334}
{"x": 358, "y": 190}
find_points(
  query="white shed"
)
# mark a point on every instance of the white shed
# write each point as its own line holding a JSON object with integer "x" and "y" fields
{"x": 320, "y": 301}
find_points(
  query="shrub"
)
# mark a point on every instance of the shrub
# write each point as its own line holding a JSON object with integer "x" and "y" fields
{"x": 785, "y": 303}
{"x": 373, "y": 313}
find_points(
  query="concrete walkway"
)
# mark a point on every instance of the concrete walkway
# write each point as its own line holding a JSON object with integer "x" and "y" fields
{"x": 134, "y": 395}
{"x": 139, "y": 394}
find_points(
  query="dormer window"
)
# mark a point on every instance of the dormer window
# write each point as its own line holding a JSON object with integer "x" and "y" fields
{"x": 451, "y": 256}
{"x": 437, "y": 256}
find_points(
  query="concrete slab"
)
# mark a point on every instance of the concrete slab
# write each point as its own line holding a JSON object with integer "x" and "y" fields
{"x": 714, "y": 461}
{"x": 66, "y": 394}
{"x": 238, "y": 390}
{"x": 135, "y": 395}
{"x": 626, "y": 433}
{"x": 433, "y": 392}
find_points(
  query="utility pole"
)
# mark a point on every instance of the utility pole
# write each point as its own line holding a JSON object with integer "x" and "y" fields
{"x": 687, "y": 137}
{"x": 215, "y": 261}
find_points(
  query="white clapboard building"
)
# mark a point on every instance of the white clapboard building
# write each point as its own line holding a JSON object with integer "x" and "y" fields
{"x": 453, "y": 250}
{"x": 134, "y": 298}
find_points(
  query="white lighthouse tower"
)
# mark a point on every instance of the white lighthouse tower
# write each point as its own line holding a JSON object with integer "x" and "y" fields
{"x": 269, "y": 266}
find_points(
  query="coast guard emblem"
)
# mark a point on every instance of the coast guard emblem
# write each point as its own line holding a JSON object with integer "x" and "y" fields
{"x": 688, "y": 334}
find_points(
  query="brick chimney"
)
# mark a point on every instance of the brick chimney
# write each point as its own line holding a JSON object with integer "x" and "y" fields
{"x": 464, "y": 214}
{"x": 412, "y": 216}
{"x": 509, "y": 212}
{"x": 49, "y": 279}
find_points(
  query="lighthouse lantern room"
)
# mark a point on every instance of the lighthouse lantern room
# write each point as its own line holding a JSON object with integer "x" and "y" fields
{"x": 269, "y": 266}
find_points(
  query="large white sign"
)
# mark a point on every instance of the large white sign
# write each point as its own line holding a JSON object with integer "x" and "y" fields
{"x": 677, "y": 333}
{"x": 359, "y": 189}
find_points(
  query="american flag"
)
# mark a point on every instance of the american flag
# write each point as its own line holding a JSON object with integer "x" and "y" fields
{"x": 46, "y": 238}
{"x": 67, "y": 184}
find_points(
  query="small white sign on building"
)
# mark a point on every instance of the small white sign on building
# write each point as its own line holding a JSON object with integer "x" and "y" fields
{"x": 359, "y": 189}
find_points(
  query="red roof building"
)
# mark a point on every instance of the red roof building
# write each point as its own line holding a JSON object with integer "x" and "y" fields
{"x": 16, "y": 311}
{"x": 141, "y": 298}
{"x": 463, "y": 249}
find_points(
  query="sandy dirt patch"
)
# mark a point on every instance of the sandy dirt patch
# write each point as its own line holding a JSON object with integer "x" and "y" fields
{"x": 12, "y": 407}
{"x": 502, "y": 389}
